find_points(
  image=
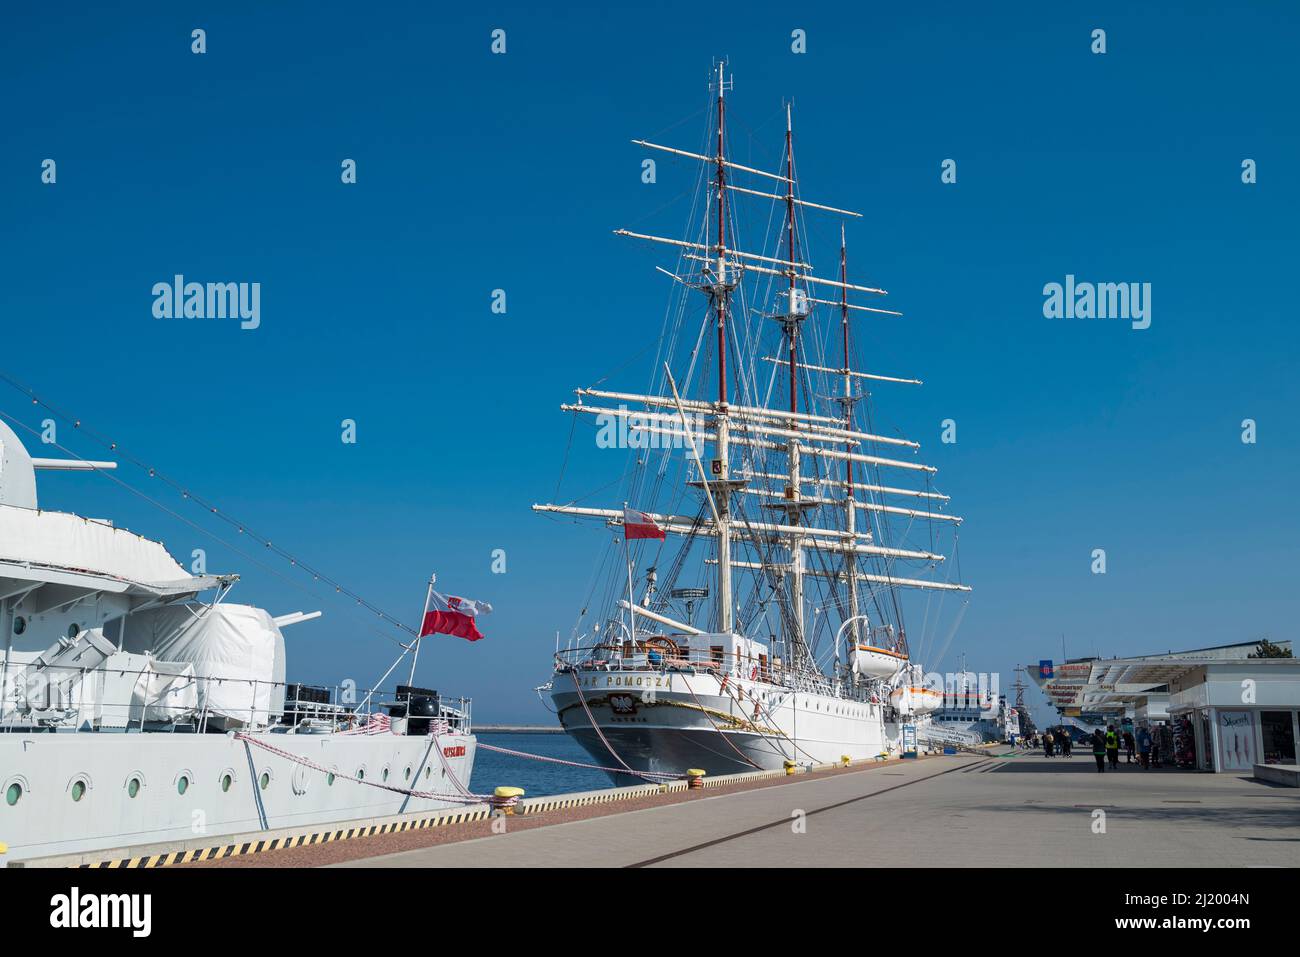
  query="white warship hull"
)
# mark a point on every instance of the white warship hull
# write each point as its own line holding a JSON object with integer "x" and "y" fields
{"x": 267, "y": 793}
{"x": 668, "y": 723}
{"x": 121, "y": 692}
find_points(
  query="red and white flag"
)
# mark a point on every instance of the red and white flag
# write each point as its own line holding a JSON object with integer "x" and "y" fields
{"x": 449, "y": 615}
{"x": 640, "y": 525}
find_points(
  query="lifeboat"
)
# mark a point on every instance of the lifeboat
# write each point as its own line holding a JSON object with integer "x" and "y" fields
{"x": 872, "y": 662}
{"x": 914, "y": 699}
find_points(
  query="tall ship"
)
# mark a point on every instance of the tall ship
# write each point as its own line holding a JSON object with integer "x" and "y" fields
{"x": 747, "y": 608}
{"x": 139, "y": 706}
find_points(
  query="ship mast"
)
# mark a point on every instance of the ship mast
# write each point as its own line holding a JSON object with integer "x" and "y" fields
{"x": 850, "y": 506}
{"x": 771, "y": 433}
{"x": 722, "y": 495}
{"x": 790, "y": 321}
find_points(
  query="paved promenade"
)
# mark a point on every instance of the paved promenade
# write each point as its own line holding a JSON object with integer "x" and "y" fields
{"x": 952, "y": 811}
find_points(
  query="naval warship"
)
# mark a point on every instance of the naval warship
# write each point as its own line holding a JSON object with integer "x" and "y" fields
{"x": 141, "y": 707}
{"x": 747, "y": 609}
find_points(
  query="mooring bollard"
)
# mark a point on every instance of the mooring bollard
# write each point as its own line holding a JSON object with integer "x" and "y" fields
{"x": 844, "y": 760}
{"x": 789, "y": 767}
{"x": 695, "y": 778}
{"x": 504, "y": 799}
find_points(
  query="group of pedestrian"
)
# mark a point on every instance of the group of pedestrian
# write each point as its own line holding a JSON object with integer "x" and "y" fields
{"x": 1105, "y": 748}
{"x": 1139, "y": 747}
{"x": 1055, "y": 743}
{"x": 1106, "y": 745}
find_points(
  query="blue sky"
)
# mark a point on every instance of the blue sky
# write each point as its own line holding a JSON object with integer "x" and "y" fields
{"x": 478, "y": 172}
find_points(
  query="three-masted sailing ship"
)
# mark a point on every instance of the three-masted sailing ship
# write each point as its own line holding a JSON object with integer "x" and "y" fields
{"x": 748, "y": 610}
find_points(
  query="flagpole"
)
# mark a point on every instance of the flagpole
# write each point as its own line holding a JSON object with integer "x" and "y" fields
{"x": 631, "y": 596}
{"x": 428, "y": 597}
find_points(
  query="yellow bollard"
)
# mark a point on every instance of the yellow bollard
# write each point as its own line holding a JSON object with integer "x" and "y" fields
{"x": 844, "y": 760}
{"x": 695, "y": 778}
{"x": 4, "y": 848}
{"x": 504, "y": 799}
{"x": 789, "y": 767}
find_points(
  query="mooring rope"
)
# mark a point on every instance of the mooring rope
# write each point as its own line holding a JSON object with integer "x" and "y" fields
{"x": 446, "y": 768}
{"x": 666, "y": 775}
{"x": 595, "y": 727}
{"x": 467, "y": 797}
{"x": 718, "y": 730}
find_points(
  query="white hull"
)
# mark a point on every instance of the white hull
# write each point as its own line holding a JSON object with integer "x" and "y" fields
{"x": 47, "y": 821}
{"x": 684, "y": 720}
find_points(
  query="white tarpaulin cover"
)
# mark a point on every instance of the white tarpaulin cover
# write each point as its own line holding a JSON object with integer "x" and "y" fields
{"x": 237, "y": 652}
{"x": 73, "y": 542}
{"x": 165, "y": 691}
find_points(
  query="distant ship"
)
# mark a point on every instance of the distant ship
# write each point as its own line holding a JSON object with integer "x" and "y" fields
{"x": 970, "y": 717}
{"x": 141, "y": 707}
{"x": 772, "y": 629}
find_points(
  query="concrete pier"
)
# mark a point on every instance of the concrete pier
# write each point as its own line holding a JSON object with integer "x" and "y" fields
{"x": 949, "y": 811}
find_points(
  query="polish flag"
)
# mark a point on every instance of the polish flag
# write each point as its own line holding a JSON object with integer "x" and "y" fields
{"x": 640, "y": 525}
{"x": 449, "y": 615}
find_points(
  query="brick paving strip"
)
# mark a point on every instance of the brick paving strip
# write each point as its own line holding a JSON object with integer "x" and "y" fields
{"x": 338, "y": 852}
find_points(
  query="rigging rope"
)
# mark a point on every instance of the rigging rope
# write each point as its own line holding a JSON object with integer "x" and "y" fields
{"x": 185, "y": 493}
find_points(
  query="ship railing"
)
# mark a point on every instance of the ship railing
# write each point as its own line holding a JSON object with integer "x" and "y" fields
{"x": 72, "y": 699}
{"x": 627, "y": 657}
{"x": 620, "y": 657}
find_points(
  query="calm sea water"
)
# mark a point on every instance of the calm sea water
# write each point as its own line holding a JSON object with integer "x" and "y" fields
{"x": 537, "y": 778}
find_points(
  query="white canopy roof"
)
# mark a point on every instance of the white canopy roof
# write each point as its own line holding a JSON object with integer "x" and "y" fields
{"x": 60, "y": 540}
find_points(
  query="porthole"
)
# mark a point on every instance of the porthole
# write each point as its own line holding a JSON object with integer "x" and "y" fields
{"x": 226, "y": 780}
{"x": 385, "y": 774}
{"x": 182, "y": 784}
{"x": 133, "y": 787}
{"x": 407, "y": 774}
{"x": 329, "y": 779}
{"x": 264, "y": 781}
{"x": 78, "y": 790}
{"x": 20, "y": 625}
{"x": 13, "y": 794}
{"x": 73, "y": 630}
{"x": 361, "y": 774}
{"x": 427, "y": 772}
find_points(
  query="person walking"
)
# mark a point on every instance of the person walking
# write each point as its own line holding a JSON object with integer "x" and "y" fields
{"x": 1047, "y": 744}
{"x": 1112, "y": 747}
{"x": 1099, "y": 750}
{"x": 1130, "y": 747}
{"x": 1067, "y": 743}
{"x": 1144, "y": 747}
